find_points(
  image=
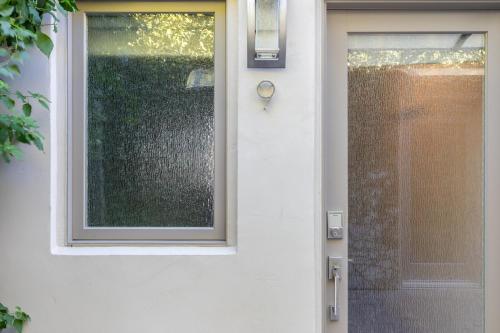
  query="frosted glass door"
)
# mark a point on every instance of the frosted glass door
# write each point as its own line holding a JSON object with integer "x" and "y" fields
{"x": 411, "y": 132}
{"x": 415, "y": 183}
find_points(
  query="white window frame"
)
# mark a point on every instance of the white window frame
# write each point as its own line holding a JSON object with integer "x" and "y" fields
{"x": 78, "y": 232}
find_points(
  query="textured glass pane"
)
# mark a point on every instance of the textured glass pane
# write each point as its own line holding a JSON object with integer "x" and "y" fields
{"x": 267, "y": 29}
{"x": 416, "y": 183}
{"x": 150, "y": 120}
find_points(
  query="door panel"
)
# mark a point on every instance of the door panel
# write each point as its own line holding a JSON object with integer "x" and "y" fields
{"x": 405, "y": 159}
{"x": 415, "y": 182}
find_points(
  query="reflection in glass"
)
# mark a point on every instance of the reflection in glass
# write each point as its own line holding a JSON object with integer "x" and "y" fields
{"x": 150, "y": 120}
{"x": 416, "y": 182}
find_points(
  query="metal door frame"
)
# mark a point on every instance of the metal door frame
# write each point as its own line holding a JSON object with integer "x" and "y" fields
{"x": 413, "y": 4}
{"x": 492, "y": 182}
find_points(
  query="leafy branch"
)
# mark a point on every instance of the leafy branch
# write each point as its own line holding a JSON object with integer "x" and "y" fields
{"x": 21, "y": 23}
{"x": 15, "y": 319}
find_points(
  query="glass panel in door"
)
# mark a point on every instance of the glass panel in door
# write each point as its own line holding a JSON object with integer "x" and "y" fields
{"x": 415, "y": 152}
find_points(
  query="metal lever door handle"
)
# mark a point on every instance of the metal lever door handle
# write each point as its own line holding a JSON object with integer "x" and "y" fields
{"x": 334, "y": 268}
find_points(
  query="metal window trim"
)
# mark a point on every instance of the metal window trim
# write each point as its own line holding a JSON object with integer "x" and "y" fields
{"x": 413, "y": 5}
{"x": 77, "y": 232}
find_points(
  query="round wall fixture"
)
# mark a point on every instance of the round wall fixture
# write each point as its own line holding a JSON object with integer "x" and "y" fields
{"x": 266, "y": 90}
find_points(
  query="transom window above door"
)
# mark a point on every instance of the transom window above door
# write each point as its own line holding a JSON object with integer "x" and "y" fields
{"x": 147, "y": 123}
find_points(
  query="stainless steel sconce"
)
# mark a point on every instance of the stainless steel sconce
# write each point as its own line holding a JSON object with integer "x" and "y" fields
{"x": 266, "y": 40}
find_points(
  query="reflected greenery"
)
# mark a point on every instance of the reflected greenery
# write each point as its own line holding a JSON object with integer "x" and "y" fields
{"x": 387, "y": 57}
{"x": 152, "y": 34}
{"x": 176, "y": 34}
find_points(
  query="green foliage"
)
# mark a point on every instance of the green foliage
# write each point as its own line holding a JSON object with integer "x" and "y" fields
{"x": 15, "y": 319}
{"x": 21, "y": 23}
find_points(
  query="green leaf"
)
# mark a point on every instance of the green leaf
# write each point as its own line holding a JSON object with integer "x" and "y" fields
{"x": 4, "y": 136}
{"x": 21, "y": 96}
{"x": 27, "y": 109}
{"x": 44, "y": 43}
{"x": 14, "y": 69}
{"x": 38, "y": 142}
{"x": 44, "y": 104}
{"x": 18, "y": 325}
{"x": 6, "y": 73}
{"x": 5, "y": 121}
{"x": 37, "y": 95}
{"x": 19, "y": 56}
{"x": 25, "y": 34}
{"x": 22, "y": 9}
{"x": 10, "y": 70}
{"x": 23, "y": 137}
{"x": 6, "y": 27}
{"x": 35, "y": 16}
{"x": 20, "y": 314}
{"x": 8, "y": 102}
{"x": 7, "y": 11}
{"x": 3, "y": 86}
{"x": 68, "y": 5}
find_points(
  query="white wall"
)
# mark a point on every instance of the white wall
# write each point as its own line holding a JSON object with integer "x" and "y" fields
{"x": 267, "y": 285}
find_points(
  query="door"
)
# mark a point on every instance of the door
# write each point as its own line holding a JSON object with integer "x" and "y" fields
{"x": 412, "y": 171}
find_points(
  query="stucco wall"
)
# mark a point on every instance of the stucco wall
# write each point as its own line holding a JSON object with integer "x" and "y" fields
{"x": 267, "y": 284}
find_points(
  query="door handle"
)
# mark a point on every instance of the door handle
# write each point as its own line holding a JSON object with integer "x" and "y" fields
{"x": 334, "y": 274}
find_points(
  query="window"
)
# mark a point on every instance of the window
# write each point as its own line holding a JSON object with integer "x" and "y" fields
{"x": 147, "y": 122}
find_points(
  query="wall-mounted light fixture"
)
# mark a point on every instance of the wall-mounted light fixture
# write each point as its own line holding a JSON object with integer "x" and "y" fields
{"x": 266, "y": 33}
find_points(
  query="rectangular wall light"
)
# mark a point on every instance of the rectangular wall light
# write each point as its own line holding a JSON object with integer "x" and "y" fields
{"x": 266, "y": 34}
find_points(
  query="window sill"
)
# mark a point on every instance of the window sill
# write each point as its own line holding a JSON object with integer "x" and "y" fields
{"x": 143, "y": 250}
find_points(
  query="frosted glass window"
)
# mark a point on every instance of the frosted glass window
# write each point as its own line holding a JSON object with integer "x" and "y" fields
{"x": 267, "y": 25}
{"x": 416, "y": 182}
{"x": 150, "y": 120}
